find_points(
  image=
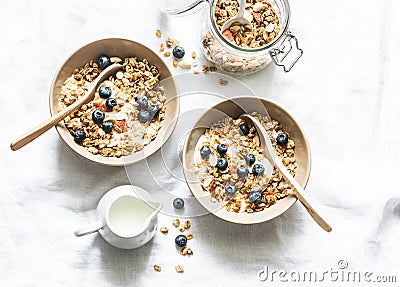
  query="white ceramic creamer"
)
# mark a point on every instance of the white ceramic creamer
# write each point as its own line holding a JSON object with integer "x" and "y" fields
{"x": 124, "y": 220}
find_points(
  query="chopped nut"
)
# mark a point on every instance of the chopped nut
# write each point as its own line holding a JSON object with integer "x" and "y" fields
{"x": 158, "y": 33}
{"x": 175, "y": 63}
{"x": 176, "y": 222}
{"x": 179, "y": 269}
{"x": 194, "y": 54}
{"x": 195, "y": 72}
{"x": 167, "y": 54}
{"x": 185, "y": 65}
{"x": 157, "y": 268}
{"x": 189, "y": 236}
{"x": 164, "y": 230}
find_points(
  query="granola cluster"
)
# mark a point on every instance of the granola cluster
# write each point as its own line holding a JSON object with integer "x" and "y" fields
{"x": 264, "y": 21}
{"x": 127, "y": 135}
{"x": 265, "y": 28}
{"x": 215, "y": 181}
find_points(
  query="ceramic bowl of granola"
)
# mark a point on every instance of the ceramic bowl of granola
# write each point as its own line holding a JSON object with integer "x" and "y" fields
{"x": 133, "y": 112}
{"x": 224, "y": 164}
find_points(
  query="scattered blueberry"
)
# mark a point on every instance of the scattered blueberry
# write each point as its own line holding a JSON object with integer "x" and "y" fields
{"x": 153, "y": 110}
{"x": 244, "y": 129}
{"x": 258, "y": 169}
{"x": 178, "y": 203}
{"x": 222, "y": 163}
{"x": 255, "y": 197}
{"x": 98, "y": 116}
{"x": 178, "y": 52}
{"x": 205, "y": 152}
{"x": 111, "y": 103}
{"x": 242, "y": 171}
{"x": 79, "y": 136}
{"x": 282, "y": 139}
{"x": 105, "y": 92}
{"x": 103, "y": 61}
{"x": 143, "y": 103}
{"x": 230, "y": 189}
{"x": 107, "y": 126}
{"x": 222, "y": 149}
{"x": 250, "y": 159}
{"x": 144, "y": 116}
{"x": 181, "y": 240}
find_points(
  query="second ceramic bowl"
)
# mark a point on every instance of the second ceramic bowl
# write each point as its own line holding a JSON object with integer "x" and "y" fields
{"x": 234, "y": 107}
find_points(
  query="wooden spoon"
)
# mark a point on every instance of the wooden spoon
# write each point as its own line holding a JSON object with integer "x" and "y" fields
{"x": 269, "y": 153}
{"x": 46, "y": 125}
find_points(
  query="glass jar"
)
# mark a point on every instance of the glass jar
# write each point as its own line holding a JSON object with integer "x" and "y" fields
{"x": 283, "y": 50}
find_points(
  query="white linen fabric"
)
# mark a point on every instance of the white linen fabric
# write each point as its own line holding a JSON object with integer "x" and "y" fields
{"x": 344, "y": 92}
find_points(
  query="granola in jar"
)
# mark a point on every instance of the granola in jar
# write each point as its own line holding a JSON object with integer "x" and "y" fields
{"x": 232, "y": 168}
{"x": 241, "y": 49}
{"x": 127, "y": 110}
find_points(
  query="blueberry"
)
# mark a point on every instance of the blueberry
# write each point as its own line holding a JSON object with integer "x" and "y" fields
{"x": 222, "y": 163}
{"x": 107, "y": 126}
{"x": 255, "y": 197}
{"x": 242, "y": 171}
{"x": 105, "y": 92}
{"x": 205, "y": 151}
{"x": 244, "y": 129}
{"x": 181, "y": 240}
{"x": 282, "y": 139}
{"x": 98, "y": 116}
{"x": 178, "y": 203}
{"x": 79, "y": 136}
{"x": 111, "y": 103}
{"x": 153, "y": 110}
{"x": 222, "y": 149}
{"x": 230, "y": 189}
{"x": 103, "y": 61}
{"x": 258, "y": 169}
{"x": 143, "y": 103}
{"x": 178, "y": 52}
{"x": 250, "y": 159}
{"x": 144, "y": 116}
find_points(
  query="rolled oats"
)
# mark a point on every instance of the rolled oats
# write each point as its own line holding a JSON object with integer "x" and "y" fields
{"x": 213, "y": 181}
{"x": 158, "y": 33}
{"x": 128, "y": 135}
{"x": 157, "y": 268}
{"x": 164, "y": 230}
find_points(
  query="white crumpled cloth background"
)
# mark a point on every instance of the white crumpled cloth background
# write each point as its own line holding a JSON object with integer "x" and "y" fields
{"x": 344, "y": 92}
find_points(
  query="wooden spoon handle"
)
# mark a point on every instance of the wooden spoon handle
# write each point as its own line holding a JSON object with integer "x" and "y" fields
{"x": 301, "y": 195}
{"x": 45, "y": 126}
